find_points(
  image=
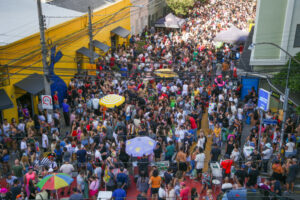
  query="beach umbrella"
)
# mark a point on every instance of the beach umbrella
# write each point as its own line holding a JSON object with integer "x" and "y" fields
{"x": 55, "y": 181}
{"x": 112, "y": 100}
{"x": 165, "y": 73}
{"x": 140, "y": 146}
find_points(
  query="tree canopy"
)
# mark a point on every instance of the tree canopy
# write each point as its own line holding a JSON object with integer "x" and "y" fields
{"x": 180, "y": 7}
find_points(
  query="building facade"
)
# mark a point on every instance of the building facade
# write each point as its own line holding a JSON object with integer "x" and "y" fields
{"x": 277, "y": 22}
{"x": 139, "y": 16}
{"x": 20, "y": 58}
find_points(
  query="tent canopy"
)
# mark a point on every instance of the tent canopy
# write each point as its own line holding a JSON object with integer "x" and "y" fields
{"x": 232, "y": 36}
{"x": 170, "y": 21}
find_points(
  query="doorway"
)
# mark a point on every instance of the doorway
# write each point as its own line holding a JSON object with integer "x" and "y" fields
{"x": 114, "y": 42}
{"x": 26, "y": 101}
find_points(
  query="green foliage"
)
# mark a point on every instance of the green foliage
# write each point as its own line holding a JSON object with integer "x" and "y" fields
{"x": 180, "y": 7}
{"x": 298, "y": 110}
{"x": 294, "y": 78}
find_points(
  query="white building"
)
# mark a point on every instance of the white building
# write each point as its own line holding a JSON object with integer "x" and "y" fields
{"x": 138, "y": 16}
{"x": 277, "y": 21}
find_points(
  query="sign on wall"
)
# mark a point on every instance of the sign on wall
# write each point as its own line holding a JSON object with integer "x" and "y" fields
{"x": 263, "y": 99}
{"x": 47, "y": 102}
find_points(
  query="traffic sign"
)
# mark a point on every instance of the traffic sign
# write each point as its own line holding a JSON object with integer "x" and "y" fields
{"x": 270, "y": 121}
{"x": 47, "y": 102}
{"x": 263, "y": 99}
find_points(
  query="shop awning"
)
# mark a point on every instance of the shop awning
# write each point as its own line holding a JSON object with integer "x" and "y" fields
{"x": 33, "y": 83}
{"x": 86, "y": 52}
{"x": 101, "y": 46}
{"x": 5, "y": 102}
{"x": 120, "y": 31}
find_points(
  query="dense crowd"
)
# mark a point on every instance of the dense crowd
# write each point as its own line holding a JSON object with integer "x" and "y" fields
{"x": 87, "y": 141}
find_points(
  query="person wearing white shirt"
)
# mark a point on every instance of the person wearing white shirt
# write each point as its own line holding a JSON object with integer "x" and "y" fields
{"x": 201, "y": 141}
{"x": 289, "y": 148}
{"x": 45, "y": 141}
{"x": 235, "y": 155}
{"x": 67, "y": 168}
{"x": 162, "y": 192}
{"x": 185, "y": 89}
{"x": 98, "y": 154}
{"x": 21, "y": 126}
{"x": 23, "y": 145}
{"x": 200, "y": 158}
{"x": 267, "y": 153}
{"x": 95, "y": 103}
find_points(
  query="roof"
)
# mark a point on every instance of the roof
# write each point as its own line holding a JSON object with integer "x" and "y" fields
{"x": 101, "y": 46}
{"x": 82, "y": 5}
{"x": 120, "y": 31}
{"x": 86, "y": 52}
{"x": 33, "y": 83}
{"x": 5, "y": 102}
{"x": 19, "y": 18}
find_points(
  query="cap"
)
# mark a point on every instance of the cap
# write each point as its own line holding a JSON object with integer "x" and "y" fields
{"x": 182, "y": 183}
{"x": 268, "y": 145}
{"x": 243, "y": 166}
{"x": 50, "y": 170}
{"x": 30, "y": 167}
{"x": 111, "y": 167}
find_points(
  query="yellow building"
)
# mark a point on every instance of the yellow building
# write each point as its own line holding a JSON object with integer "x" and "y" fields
{"x": 20, "y": 57}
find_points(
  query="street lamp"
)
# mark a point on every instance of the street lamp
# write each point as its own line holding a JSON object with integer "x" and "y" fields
{"x": 287, "y": 90}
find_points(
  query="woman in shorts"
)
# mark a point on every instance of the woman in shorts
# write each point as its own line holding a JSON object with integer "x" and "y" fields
{"x": 155, "y": 182}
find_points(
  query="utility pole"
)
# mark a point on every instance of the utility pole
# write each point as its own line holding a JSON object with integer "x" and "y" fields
{"x": 285, "y": 104}
{"x": 44, "y": 51}
{"x": 91, "y": 36}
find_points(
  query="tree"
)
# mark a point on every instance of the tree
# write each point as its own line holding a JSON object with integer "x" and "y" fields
{"x": 180, "y": 7}
{"x": 294, "y": 78}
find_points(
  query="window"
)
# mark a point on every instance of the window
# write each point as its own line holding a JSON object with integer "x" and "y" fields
{"x": 4, "y": 76}
{"x": 297, "y": 37}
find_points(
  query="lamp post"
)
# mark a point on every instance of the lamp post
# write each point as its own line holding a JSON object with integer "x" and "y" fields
{"x": 286, "y": 94}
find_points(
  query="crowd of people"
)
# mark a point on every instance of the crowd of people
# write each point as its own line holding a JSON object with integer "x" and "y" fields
{"x": 87, "y": 141}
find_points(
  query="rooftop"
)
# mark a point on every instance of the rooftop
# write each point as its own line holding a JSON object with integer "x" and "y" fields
{"x": 81, "y": 5}
{"x": 19, "y": 18}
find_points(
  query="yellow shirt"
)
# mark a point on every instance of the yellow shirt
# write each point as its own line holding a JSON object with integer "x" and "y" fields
{"x": 217, "y": 132}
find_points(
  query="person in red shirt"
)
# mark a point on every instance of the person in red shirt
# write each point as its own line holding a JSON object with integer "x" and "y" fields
{"x": 184, "y": 191}
{"x": 55, "y": 100}
{"x": 226, "y": 166}
{"x": 193, "y": 127}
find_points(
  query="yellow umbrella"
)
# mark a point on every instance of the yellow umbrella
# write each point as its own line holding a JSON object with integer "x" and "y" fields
{"x": 165, "y": 73}
{"x": 112, "y": 100}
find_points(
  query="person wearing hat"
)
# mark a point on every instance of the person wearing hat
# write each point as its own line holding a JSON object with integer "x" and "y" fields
{"x": 266, "y": 155}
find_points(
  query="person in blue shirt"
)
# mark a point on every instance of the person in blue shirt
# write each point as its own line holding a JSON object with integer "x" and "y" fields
{"x": 81, "y": 156}
{"x": 119, "y": 193}
{"x": 122, "y": 178}
{"x": 66, "y": 112}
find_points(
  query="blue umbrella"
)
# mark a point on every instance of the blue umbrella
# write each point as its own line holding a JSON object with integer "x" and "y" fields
{"x": 140, "y": 146}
